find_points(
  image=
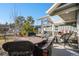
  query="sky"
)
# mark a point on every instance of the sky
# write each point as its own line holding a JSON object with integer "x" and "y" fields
{"x": 36, "y": 10}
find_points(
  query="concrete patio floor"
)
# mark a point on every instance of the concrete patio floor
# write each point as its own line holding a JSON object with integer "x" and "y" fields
{"x": 60, "y": 50}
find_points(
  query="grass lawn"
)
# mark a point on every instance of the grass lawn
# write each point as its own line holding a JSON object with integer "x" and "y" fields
{"x": 8, "y": 39}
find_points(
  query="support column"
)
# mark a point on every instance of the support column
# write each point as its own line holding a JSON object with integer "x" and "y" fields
{"x": 53, "y": 29}
{"x": 78, "y": 26}
{"x": 42, "y": 28}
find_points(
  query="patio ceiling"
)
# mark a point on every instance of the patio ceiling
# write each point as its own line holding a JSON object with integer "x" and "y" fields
{"x": 66, "y": 11}
{"x": 69, "y": 17}
{"x": 60, "y": 8}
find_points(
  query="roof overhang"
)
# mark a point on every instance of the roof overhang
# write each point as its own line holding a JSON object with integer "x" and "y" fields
{"x": 66, "y": 11}
{"x": 48, "y": 17}
{"x": 51, "y": 20}
{"x": 51, "y": 9}
{"x": 57, "y": 10}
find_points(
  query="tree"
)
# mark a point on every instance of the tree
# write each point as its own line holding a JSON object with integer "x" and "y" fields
{"x": 19, "y": 21}
{"x": 6, "y": 23}
{"x": 12, "y": 25}
{"x": 30, "y": 20}
{"x": 25, "y": 28}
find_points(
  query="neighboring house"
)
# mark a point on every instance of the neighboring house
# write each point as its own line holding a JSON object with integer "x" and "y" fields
{"x": 69, "y": 12}
{"x": 6, "y": 29}
{"x": 3, "y": 28}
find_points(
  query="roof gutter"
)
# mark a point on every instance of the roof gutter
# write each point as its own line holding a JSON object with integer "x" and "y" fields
{"x": 52, "y": 8}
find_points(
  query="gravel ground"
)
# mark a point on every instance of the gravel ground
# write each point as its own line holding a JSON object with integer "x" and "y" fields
{"x": 2, "y": 52}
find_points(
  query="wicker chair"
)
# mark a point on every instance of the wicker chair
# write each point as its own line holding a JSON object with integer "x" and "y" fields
{"x": 43, "y": 48}
{"x": 19, "y": 48}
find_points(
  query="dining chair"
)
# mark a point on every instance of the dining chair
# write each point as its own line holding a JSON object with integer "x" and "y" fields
{"x": 66, "y": 37}
{"x": 19, "y": 48}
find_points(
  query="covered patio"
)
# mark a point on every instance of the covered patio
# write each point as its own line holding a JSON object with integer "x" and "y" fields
{"x": 69, "y": 13}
